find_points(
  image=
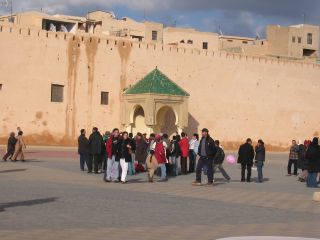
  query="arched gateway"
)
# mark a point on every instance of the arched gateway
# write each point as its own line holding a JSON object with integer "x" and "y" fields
{"x": 155, "y": 104}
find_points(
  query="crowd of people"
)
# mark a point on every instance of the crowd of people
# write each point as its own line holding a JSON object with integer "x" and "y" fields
{"x": 306, "y": 157}
{"x": 15, "y": 147}
{"x": 117, "y": 154}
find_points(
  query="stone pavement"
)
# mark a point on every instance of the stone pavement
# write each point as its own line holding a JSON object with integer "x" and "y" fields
{"x": 48, "y": 197}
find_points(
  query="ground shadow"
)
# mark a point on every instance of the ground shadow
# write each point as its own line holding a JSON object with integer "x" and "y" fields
{"x": 13, "y": 170}
{"x": 138, "y": 180}
{"x": 265, "y": 179}
{"x": 34, "y": 160}
{"x": 4, "y": 206}
{"x": 218, "y": 183}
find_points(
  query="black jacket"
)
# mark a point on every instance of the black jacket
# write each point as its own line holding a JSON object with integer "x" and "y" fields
{"x": 141, "y": 151}
{"x": 175, "y": 149}
{"x": 211, "y": 148}
{"x": 246, "y": 154}
{"x": 123, "y": 151}
{"x": 11, "y": 144}
{"x": 95, "y": 143}
{"x": 83, "y": 145}
{"x": 260, "y": 153}
{"x": 219, "y": 157}
{"x": 302, "y": 162}
{"x": 313, "y": 158}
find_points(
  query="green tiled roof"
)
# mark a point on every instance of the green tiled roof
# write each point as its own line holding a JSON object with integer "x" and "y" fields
{"x": 158, "y": 83}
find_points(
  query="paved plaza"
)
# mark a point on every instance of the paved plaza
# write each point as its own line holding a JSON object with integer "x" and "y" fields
{"x": 47, "y": 197}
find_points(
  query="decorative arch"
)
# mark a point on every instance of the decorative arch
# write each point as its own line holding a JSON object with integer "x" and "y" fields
{"x": 133, "y": 112}
{"x": 166, "y": 120}
{"x": 138, "y": 123}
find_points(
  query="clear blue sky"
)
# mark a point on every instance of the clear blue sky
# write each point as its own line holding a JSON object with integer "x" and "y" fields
{"x": 234, "y": 17}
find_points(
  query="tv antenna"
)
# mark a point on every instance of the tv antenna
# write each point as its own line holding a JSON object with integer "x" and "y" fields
{"x": 304, "y": 15}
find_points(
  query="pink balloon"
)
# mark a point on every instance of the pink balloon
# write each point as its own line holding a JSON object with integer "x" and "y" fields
{"x": 231, "y": 159}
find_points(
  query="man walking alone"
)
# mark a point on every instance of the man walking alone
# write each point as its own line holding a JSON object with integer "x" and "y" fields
{"x": 206, "y": 151}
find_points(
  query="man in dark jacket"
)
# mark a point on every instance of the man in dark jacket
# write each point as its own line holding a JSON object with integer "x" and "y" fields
{"x": 10, "y": 147}
{"x": 218, "y": 161}
{"x": 83, "y": 149}
{"x": 246, "y": 155}
{"x": 95, "y": 149}
{"x": 260, "y": 159}
{"x": 206, "y": 151}
{"x": 175, "y": 153}
{"x": 313, "y": 157}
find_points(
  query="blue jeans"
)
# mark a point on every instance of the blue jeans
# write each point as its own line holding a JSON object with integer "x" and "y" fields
{"x": 163, "y": 171}
{"x": 112, "y": 172}
{"x": 131, "y": 169}
{"x": 223, "y": 172}
{"x": 259, "y": 169}
{"x": 175, "y": 163}
{"x": 208, "y": 162}
{"x": 83, "y": 160}
{"x": 312, "y": 180}
{"x": 192, "y": 161}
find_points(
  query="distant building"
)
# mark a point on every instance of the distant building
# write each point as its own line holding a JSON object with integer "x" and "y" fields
{"x": 60, "y": 73}
{"x": 242, "y": 45}
{"x": 293, "y": 42}
{"x": 190, "y": 38}
{"x": 298, "y": 41}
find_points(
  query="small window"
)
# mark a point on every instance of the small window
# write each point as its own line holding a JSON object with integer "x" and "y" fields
{"x": 309, "y": 38}
{"x": 204, "y": 45}
{"x": 229, "y": 40}
{"x": 293, "y": 39}
{"x": 0, "y": 87}
{"x": 190, "y": 42}
{"x": 245, "y": 42}
{"x": 154, "y": 35}
{"x": 299, "y": 39}
{"x": 104, "y": 98}
{"x": 262, "y": 43}
{"x": 56, "y": 93}
{"x": 182, "y": 41}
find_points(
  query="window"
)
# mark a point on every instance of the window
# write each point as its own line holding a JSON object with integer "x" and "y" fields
{"x": 299, "y": 39}
{"x": 190, "y": 42}
{"x": 204, "y": 45}
{"x": 245, "y": 42}
{"x": 104, "y": 98}
{"x": 229, "y": 40}
{"x": 0, "y": 87}
{"x": 154, "y": 35}
{"x": 309, "y": 38}
{"x": 293, "y": 39}
{"x": 56, "y": 93}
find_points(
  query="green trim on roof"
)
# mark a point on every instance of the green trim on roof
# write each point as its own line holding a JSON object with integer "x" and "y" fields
{"x": 158, "y": 83}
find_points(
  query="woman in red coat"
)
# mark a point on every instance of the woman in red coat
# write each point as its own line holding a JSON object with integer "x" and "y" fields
{"x": 160, "y": 154}
{"x": 184, "y": 147}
